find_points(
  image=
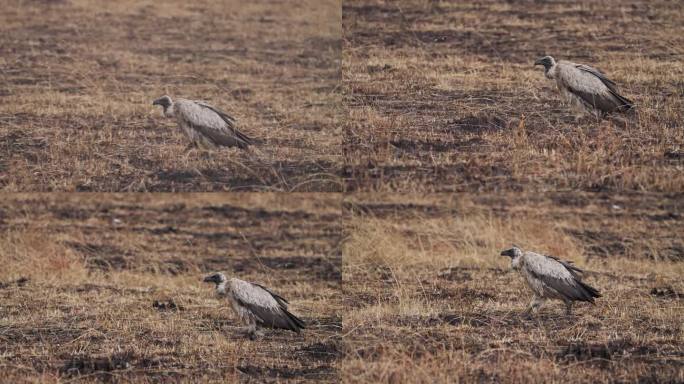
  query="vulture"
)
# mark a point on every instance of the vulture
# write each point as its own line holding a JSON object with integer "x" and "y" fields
{"x": 550, "y": 278}
{"x": 587, "y": 88}
{"x": 205, "y": 126}
{"x": 255, "y": 305}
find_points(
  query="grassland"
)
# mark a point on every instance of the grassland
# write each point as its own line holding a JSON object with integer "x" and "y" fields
{"x": 443, "y": 96}
{"x": 428, "y": 299}
{"x": 77, "y": 79}
{"x": 81, "y": 275}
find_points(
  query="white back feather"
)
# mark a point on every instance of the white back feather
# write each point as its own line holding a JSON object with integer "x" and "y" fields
{"x": 252, "y": 294}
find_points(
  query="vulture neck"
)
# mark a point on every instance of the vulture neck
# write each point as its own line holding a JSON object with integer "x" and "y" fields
{"x": 550, "y": 72}
{"x": 516, "y": 263}
{"x": 170, "y": 112}
{"x": 221, "y": 289}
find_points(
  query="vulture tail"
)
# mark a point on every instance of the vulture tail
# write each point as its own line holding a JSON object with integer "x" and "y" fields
{"x": 243, "y": 140}
{"x": 295, "y": 323}
{"x": 625, "y": 103}
{"x": 591, "y": 291}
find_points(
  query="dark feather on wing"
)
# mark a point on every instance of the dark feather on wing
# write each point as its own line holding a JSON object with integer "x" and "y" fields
{"x": 572, "y": 289}
{"x": 569, "y": 266}
{"x": 279, "y": 317}
{"x": 621, "y": 103}
{"x": 240, "y": 139}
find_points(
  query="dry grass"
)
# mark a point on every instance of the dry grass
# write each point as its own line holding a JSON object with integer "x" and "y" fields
{"x": 438, "y": 96}
{"x": 81, "y": 274}
{"x": 77, "y": 79}
{"x": 443, "y": 96}
{"x": 429, "y": 300}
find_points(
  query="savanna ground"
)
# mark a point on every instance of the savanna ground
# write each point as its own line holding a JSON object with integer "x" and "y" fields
{"x": 428, "y": 299}
{"x": 443, "y": 96}
{"x": 109, "y": 287}
{"x": 78, "y": 77}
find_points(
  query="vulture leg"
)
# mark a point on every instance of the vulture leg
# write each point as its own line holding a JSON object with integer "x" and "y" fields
{"x": 252, "y": 329}
{"x": 568, "y": 308}
{"x": 534, "y": 305}
{"x": 254, "y": 334}
{"x": 190, "y": 147}
{"x": 620, "y": 120}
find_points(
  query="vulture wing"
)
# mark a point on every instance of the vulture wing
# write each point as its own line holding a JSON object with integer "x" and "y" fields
{"x": 269, "y": 309}
{"x": 591, "y": 87}
{"x": 569, "y": 266}
{"x": 230, "y": 123}
{"x": 560, "y": 277}
{"x": 624, "y": 103}
{"x": 212, "y": 123}
{"x": 609, "y": 83}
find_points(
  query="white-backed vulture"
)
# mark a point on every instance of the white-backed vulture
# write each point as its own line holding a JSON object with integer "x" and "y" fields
{"x": 550, "y": 278}
{"x": 255, "y": 305}
{"x": 205, "y": 125}
{"x": 584, "y": 87}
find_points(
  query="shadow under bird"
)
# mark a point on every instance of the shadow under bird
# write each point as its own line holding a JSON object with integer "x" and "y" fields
{"x": 584, "y": 87}
{"x": 255, "y": 305}
{"x": 205, "y": 126}
{"x": 550, "y": 278}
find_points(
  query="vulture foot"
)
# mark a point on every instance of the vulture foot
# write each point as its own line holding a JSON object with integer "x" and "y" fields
{"x": 254, "y": 335}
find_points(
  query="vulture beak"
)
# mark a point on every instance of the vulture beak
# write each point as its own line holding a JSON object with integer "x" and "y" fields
{"x": 156, "y": 102}
{"x": 209, "y": 279}
{"x": 507, "y": 252}
{"x": 538, "y": 62}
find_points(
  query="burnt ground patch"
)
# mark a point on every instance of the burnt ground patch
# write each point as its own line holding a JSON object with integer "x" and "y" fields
{"x": 324, "y": 372}
{"x": 382, "y": 209}
{"x": 167, "y": 238}
{"x": 666, "y": 293}
{"x": 105, "y": 257}
{"x": 100, "y": 366}
{"x": 463, "y": 177}
{"x": 485, "y": 123}
{"x": 54, "y": 333}
{"x": 455, "y": 274}
{"x": 414, "y": 146}
{"x": 265, "y": 214}
{"x": 167, "y": 305}
{"x": 473, "y": 320}
{"x": 604, "y": 354}
{"x": 20, "y": 282}
{"x": 284, "y": 175}
{"x": 602, "y": 243}
{"x": 323, "y": 268}
{"x": 322, "y": 351}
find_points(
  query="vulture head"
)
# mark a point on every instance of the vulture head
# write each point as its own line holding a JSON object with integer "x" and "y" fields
{"x": 546, "y": 61}
{"x": 164, "y": 101}
{"x": 217, "y": 278}
{"x": 512, "y": 253}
